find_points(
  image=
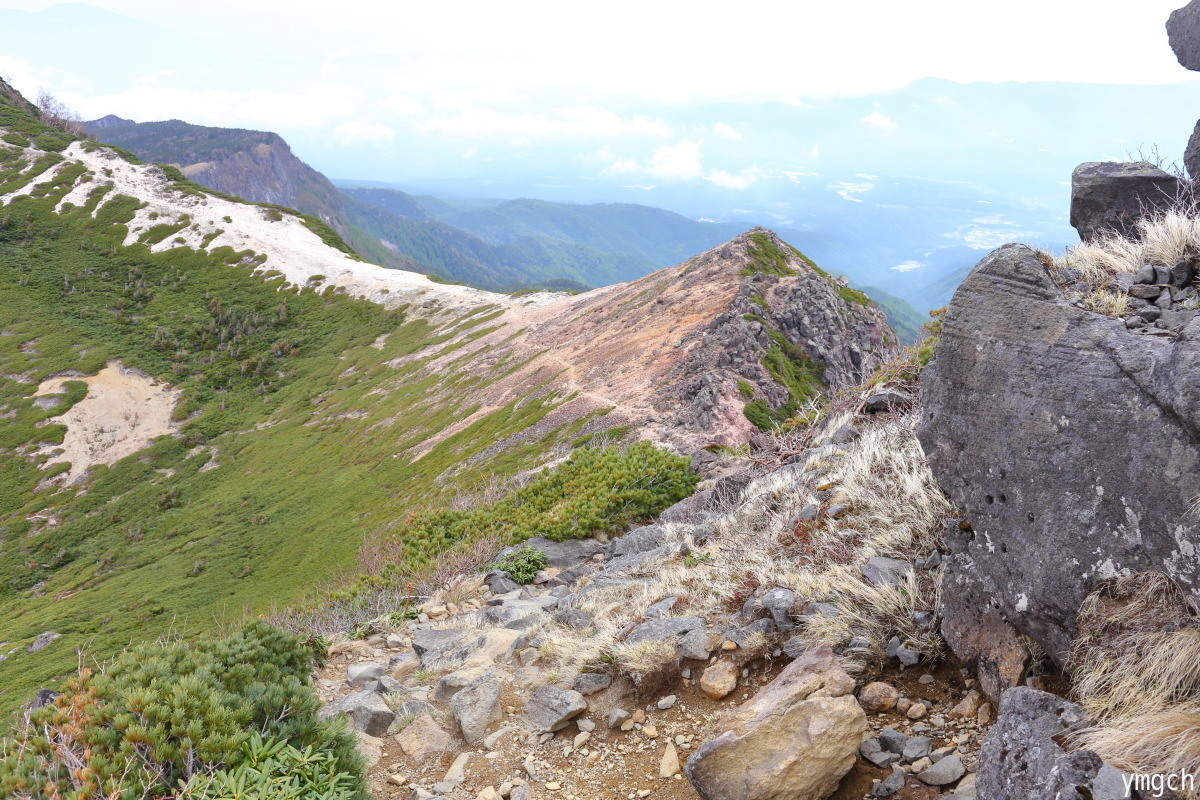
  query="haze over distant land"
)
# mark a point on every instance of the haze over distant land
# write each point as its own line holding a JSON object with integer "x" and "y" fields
{"x": 897, "y": 178}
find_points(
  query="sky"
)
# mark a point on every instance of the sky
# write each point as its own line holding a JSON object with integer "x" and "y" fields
{"x": 470, "y": 71}
{"x": 875, "y": 129}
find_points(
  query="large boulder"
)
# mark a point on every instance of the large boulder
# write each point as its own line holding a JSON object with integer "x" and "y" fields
{"x": 476, "y": 706}
{"x": 456, "y": 648}
{"x": 794, "y": 740}
{"x": 1068, "y": 443}
{"x": 1183, "y": 32}
{"x": 1022, "y": 758}
{"x": 1111, "y": 196}
{"x": 561, "y": 555}
{"x": 551, "y": 709}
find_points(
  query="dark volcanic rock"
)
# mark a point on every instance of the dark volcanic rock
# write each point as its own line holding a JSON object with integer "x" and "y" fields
{"x": 1068, "y": 442}
{"x": 1020, "y": 750}
{"x": 1112, "y": 196}
{"x": 1183, "y": 32}
{"x": 1191, "y": 155}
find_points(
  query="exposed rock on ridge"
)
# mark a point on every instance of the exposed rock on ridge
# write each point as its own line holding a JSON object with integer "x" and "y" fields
{"x": 680, "y": 353}
{"x": 1069, "y": 443}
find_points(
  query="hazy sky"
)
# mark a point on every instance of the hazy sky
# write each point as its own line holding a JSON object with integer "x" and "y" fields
{"x": 471, "y": 70}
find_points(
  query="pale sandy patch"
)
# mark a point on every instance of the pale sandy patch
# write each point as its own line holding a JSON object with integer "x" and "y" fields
{"x": 123, "y": 412}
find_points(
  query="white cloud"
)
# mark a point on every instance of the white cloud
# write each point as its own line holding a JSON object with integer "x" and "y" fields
{"x": 848, "y": 190}
{"x": 679, "y": 161}
{"x": 795, "y": 177}
{"x": 727, "y": 180}
{"x": 866, "y": 177}
{"x": 582, "y": 121}
{"x": 364, "y": 132}
{"x": 982, "y": 238}
{"x": 315, "y": 106}
{"x": 402, "y": 105}
{"x": 908, "y": 266}
{"x": 879, "y": 120}
{"x": 724, "y": 131}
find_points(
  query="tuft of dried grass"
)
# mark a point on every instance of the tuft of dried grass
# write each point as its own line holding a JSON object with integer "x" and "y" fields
{"x": 1136, "y": 667}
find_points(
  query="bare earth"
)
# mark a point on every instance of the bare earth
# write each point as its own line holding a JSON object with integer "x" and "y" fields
{"x": 123, "y": 412}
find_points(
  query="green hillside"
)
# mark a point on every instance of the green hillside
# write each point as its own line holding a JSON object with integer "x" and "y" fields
{"x": 298, "y": 423}
{"x": 905, "y": 320}
{"x": 657, "y": 237}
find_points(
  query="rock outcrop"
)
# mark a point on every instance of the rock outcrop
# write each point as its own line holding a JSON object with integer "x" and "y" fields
{"x": 796, "y": 738}
{"x": 1068, "y": 442}
{"x": 1183, "y": 32}
{"x": 1110, "y": 196}
{"x": 1022, "y": 758}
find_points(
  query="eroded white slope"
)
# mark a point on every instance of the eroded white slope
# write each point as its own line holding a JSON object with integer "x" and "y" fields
{"x": 290, "y": 247}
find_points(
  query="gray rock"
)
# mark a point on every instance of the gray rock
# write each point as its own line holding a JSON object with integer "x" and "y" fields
{"x": 551, "y": 709}
{"x": 44, "y": 697}
{"x": 747, "y": 635}
{"x": 477, "y": 705}
{"x": 893, "y": 740}
{"x": 899, "y": 650}
{"x": 871, "y": 751}
{"x": 359, "y": 675}
{"x": 634, "y": 562}
{"x": 663, "y": 629}
{"x": 1014, "y": 370}
{"x": 638, "y": 540}
{"x": 42, "y": 641}
{"x": 561, "y": 555}
{"x": 944, "y": 772}
{"x": 365, "y": 711}
{"x": 827, "y": 610}
{"x": 887, "y": 401}
{"x": 451, "y": 684}
{"x": 778, "y": 602}
{"x": 882, "y": 571}
{"x": 615, "y": 717}
{"x": 916, "y": 747}
{"x": 1183, "y": 32}
{"x": 574, "y": 618}
{"x": 454, "y": 648}
{"x": 1021, "y": 748}
{"x": 1112, "y": 196}
{"x": 694, "y": 645}
{"x": 795, "y": 647}
{"x": 1191, "y": 155}
{"x": 889, "y": 785}
{"x": 500, "y": 582}
{"x": 661, "y": 608}
{"x": 591, "y": 682}
{"x": 845, "y": 434}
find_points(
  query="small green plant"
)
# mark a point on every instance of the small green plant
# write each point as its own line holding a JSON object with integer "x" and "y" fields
{"x": 745, "y": 389}
{"x": 523, "y": 564}
{"x": 272, "y": 769}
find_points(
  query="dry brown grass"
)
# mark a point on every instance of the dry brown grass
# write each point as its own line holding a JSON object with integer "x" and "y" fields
{"x": 893, "y": 508}
{"x": 1137, "y": 672}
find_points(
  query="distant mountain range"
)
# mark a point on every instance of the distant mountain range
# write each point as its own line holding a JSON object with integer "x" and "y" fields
{"x": 499, "y": 245}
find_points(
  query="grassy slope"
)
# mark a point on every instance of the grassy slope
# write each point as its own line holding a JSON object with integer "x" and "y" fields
{"x": 310, "y": 428}
{"x": 905, "y": 320}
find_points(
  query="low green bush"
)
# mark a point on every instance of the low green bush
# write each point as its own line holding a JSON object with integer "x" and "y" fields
{"x": 522, "y": 564}
{"x": 159, "y": 715}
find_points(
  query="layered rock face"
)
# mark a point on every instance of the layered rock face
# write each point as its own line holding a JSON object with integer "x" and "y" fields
{"x": 1068, "y": 442}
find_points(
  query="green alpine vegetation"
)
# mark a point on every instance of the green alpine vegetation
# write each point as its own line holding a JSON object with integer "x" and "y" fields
{"x": 303, "y": 426}
{"x": 232, "y": 717}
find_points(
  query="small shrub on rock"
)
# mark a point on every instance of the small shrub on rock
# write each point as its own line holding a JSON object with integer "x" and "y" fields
{"x": 523, "y": 565}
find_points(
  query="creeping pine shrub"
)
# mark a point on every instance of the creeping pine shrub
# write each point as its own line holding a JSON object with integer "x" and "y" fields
{"x": 598, "y": 490}
{"x": 275, "y": 770}
{"x": 160, "y": 715}
{"x": 522, "y": 564}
